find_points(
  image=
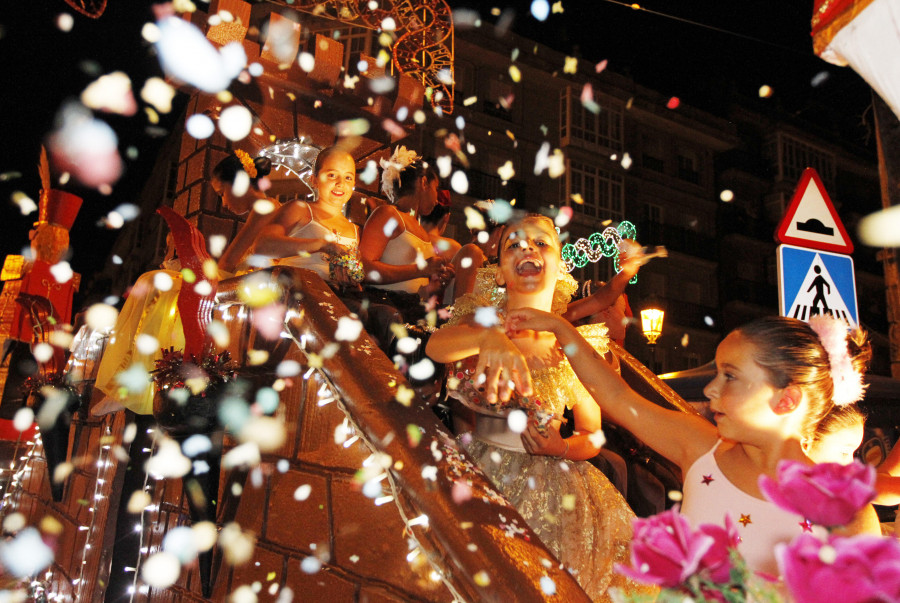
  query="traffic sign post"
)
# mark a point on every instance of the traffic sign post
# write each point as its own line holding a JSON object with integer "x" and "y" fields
{"x": 815, "y": 276}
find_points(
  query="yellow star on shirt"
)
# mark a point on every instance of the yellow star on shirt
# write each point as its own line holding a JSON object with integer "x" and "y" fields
{"x": 745, "y": 519}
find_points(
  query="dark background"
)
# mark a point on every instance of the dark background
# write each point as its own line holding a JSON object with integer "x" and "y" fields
{"x": 703, "y": 51}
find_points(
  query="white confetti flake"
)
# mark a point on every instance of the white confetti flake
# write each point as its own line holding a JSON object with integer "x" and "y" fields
{"x": 235, "y": 122}
{"x": 726, "y": 196}
{"x": 217, "y": 245}
{"x": 157, "y": 92}
{"x": 597, "y": 438}
{"x": 205, "y": 535}
{"x": 110, "y": 93}
{"x": 138, "y": 501}
{"x": 459, "y": 182}
{"x": 310, "y": 565}
{"x": 445, "y": 165}
{"x": 160, "y": 570}
{"x": 506, "y": 171}
{"x": 548, "y": 586}
{"x": 23, "y": 419}
{"x": 168, "y": 461}
{"x": 200, "y": 126}
{"x": 186, "y": 55}
{"x": 626, "y": 161}
{"x": 302, "y": 492}
{"x": 65, "y": 22}
{"x": 882, "y": 228}
{"x": 540, "y": 9}
{"x": 42, "y": 352}
{"x": 422, "y": 370}
{"x": 267, "y": 433}
{"x": 85, "y": 147}
{"x": 101, "y": 317}
{"x": 196, "y": 445}
{"x": 407, "y": 345}
{"x": 307, "y": 61}
{"x": 348, "y": 329}
{"x": 25, "y": 203}
{"x": 487, "y": 316}
{"x": 517, "y": 421}
{"x": 244, "y": 455}
{"x": 163, "y": 281}
{"x": 180, "y": 542}
{"x": 26, "y": 554}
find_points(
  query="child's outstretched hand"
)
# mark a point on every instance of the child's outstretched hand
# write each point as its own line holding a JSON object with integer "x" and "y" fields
{"x": 503, "y": 366}
{"x": 545, "y": 444}
{"x": 535, "y": 320}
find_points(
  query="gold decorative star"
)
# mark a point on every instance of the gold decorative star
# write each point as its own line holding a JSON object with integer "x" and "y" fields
{"x": 745, "y": 519}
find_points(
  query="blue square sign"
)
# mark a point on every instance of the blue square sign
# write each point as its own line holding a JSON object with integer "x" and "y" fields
{"x": 814, "y": 282}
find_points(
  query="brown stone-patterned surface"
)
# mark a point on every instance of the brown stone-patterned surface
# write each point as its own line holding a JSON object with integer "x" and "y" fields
{"x": 267, "y": 568}
{"x": 324, "y": 585}
{"x": 252, "y": 506}
{"x": 370, "y": 540}
{"x": 297, "y": 524}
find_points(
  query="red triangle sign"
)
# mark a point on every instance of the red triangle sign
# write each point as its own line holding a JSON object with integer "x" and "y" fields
{"x": 811, "y": 221}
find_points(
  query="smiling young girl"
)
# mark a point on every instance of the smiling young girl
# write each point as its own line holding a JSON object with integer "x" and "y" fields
{"x": 317, "y": 235}
{"x": 775, "y": 381}
{"x": 569, "y": 503}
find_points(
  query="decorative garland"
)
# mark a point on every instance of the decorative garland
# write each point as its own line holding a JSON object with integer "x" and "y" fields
{"x": 598, "y": 245}
{"x": 246, "y": 162}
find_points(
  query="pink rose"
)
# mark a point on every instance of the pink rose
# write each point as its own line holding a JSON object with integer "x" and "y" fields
{"x": 716, "y": 563}
{"x": 845, "y": 570}
{"x": 828, "y": 494}
{"x": 664, "y": 550}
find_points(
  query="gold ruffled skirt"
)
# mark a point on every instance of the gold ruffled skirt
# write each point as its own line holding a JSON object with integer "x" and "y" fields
{"x": 577, "y": 513}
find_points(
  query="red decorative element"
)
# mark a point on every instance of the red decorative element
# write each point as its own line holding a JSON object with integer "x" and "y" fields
{"x": 195, "y": 309}
{"x": 707, "y": 479}
{"x": 443, "y": 197}
{"x": 59, "y": 208}
{"x": 88, "y": 8}
{"x": 744, "y": 520}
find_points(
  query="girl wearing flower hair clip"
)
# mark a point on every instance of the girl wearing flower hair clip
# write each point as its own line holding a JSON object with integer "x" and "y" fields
{"x": 397, "y": 253}
{"x": 775, "y": 379}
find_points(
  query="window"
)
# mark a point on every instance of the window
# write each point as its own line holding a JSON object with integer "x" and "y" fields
{"x": 653, "y": 213}
{"x": 581, "y": 127}
{"x": 601, "y": 191}
{"x": 357, "y": 41}
{"x": 791, "y": 156}
{"x": 688, "y": 166}
{"x": 653, "y": 154}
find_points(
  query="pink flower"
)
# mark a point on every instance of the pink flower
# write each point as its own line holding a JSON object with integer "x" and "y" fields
{"x": 845, "y": 570}
{"x": 664, "y": 550}
{"x": 828, "y": 494}
{"x": 716, "y": 563}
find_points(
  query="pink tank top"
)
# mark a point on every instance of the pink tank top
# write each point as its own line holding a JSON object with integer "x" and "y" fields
{"x": 709, "y": 496}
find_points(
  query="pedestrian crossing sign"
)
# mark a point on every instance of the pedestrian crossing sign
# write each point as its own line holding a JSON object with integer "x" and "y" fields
{"x": 814, "y": 282}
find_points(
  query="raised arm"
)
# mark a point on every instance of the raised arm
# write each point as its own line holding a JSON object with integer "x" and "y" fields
{"x": 373, "y": 242}
{"x": 680, "y": 437}
{"x": 244, "y": 239}
{"x": 606, "y": 295}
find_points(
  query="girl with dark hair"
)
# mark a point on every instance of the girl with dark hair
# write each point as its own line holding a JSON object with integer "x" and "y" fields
{"x": 397, "y": 254}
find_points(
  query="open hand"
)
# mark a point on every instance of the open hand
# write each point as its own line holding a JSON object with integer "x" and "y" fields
{"x": 531, "y": 319}
{"x": 503, "y": 367}
{"x": 546, "y": 444}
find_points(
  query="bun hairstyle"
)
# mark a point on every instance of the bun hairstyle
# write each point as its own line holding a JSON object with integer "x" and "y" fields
{"x": 792, "y": 354}
{"x": 401, "y": 172}
{"x": 227, "y": 169}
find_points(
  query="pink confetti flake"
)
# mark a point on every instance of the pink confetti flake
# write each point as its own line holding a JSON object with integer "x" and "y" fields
{"x": 599, "y": 67}
{"x": 673, "y": 103}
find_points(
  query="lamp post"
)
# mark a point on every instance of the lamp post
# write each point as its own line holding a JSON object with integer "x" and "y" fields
{"x": 651, "y": 325}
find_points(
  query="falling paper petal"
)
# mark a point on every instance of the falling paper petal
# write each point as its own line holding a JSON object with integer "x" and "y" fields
{"x": 101, "y": 317}
{"x": 26, "y": 554}
{"x": 186, "y": 55}
{"x": 158, "y": 93}
{"x": 517, "y": 421}
{"x": 200, "y": 126}
{"x": 881, "y": 229}
{"x": 506, "y": 171}
{"x": 571, "y": 65}
{"x": 348, "y": 329}
{"x": 673, "y": 103}
{"x": 459, "y": 182}
{"x": 110, "y": 93}
{"x": 86, "y": 147}
{"x": 235, "y": 122}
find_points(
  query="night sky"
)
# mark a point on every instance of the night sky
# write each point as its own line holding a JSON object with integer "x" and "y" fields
{"x": 739, "y": 47}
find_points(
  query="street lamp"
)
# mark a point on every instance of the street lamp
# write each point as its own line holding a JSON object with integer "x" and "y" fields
{"x": 651, "y": 325}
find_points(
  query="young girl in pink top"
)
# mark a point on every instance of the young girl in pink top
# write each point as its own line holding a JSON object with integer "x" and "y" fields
{"x": 775, "y": 380}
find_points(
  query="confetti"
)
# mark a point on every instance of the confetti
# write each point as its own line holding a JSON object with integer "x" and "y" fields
{"x": 179, "y": 542}
{"x": 101, "y": 317}
{"x": 26, "y": 554}
{"x": 42, "y": 352}
{"x": 482, "y": 578}
{"x": 486, "y": 317}
{"x": 138, "y": 501}
{"x": 302, "y": 492}
{"x": 882, "y": 228}
{"x": 506, "y": 171}
{"x": 200, "y": 126}
{"x": 157, "y": 92}
{"x": 168, "y": 461}
{"x": 685, "y": 340}
{"x": 405, "y": 395}
{"x": 110, "y": 93}
{"x": 243, "y": 455}
{"x": 558, "y": 7}
{"x": 85, "y": 147}
{"x": 26, "y": 204}
{"x": 23, "y": 419}
{"x": 548, "y": 586}
{"x": 237, "y": 545}
{"x": 422, "y": 370}
{"x": 515, "y": 74}
{"x": 626, "y": 161}
{"x": 819, "y": 79}
{"x": 601, "y": 66}
{"x": 540, "y": 9}
{"x": 587, "y": 99}
{"x": 62, "y": 272}
{"x": 517, "y": 421}
{"x": 459, "y": 182}
{"x": 186, "y": 55}
{"x": 235, "y": 123}
{"x": 673, "y": 103}
{"x": 348, "y": 329}
{"x": 266, "y": 433}
{"x": 563, "y": 217}
{"x": 370, "y": 173}
{"x": 727, "y": 196}
{"x": 571, "y": 65}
